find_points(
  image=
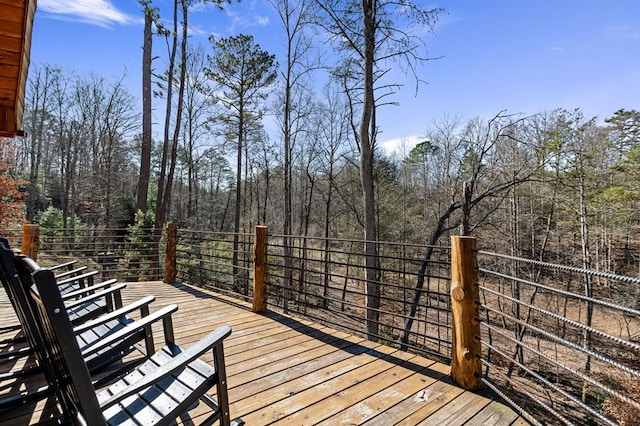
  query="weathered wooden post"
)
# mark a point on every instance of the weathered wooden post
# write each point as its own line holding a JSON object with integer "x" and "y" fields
{"x": 171, "y": 254}
{"x": 260, "y": 269}
{"x": 30, "y": 240}
{"x": 466, "y": 367}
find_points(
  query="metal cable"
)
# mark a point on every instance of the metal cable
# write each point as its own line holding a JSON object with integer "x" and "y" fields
{"x": 577, "y": 324}
{"x": 551, "y": 385}
{"x": 584, "y": 377}
{"x": 510, "y": 401}
{"x": 345, "y": 240}
{"x": 566, "y": 343}
{"x": 529, "y": 394}
{"x": 563, "y": 292}
{"x": 600, "y": 274}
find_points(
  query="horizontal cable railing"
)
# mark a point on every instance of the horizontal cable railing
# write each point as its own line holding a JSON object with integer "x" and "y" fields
{"x": 209, "y": 260}
{"x": 126, "y": 254}
{"x": 324, "y": 280}
{"x": 559, "y": 343}
{"x": 14, "y": 235}
{"x": 562, "y": 342}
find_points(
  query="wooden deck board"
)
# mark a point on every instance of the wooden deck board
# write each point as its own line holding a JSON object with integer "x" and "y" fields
{"x": 495, "y": 413}
{"x": 389, "y": 404}
{"x": 284, "y": 370}
{"x": 458, "y": 411}
{"x": 351, "y": 391}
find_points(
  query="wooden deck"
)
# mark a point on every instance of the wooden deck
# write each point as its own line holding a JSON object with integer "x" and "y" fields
{"x": 287, "y": 370}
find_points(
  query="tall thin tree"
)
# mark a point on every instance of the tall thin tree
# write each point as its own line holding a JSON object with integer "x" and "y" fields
{"x": 243, "y": 71}
{"x": 295, "y": 16}
{"x": 370, "y": 35}
{"x": 150, "y": 14}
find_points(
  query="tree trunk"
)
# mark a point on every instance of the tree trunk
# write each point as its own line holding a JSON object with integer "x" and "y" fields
{"x": 145, "y": 150}
{"x": 37, "y": 122}
{"x": 236, "y": 223}
{"x": 367, "y": 148}
{"x": 176, "y": 131}
{"x": 422, "y": 272}
{"x": 164, "y": 195}
{"x": 327, "y": 254}
{"x": 159, "y": 223}
{"x": 286, "y": 226}
{"x": 588, "y": 284}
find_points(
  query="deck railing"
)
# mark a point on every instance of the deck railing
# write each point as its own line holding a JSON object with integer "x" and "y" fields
{"x": 121, "y": 253}
{"x": 323, "y": 279}
{"x": 206, "y": 259}
{"x": 561, "y": 343}
{"x": 564, "y": 338}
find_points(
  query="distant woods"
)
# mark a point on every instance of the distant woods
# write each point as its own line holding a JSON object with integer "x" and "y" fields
{"x": 276, "y": 147}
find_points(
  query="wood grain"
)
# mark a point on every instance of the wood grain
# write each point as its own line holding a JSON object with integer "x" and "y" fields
{"x": 291, "y": 371}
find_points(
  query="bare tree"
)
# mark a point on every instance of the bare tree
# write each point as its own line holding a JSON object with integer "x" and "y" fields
{"x": 40, "y": 82}
{"x": 331, "y": 124}
{"x": 150, "y": 16}
{"x": 473, "y": 158}
{"x": 296, "y": 16}
{"x": 370, "y": 35}
{"x": 64, "y": 143}
{"x": 197, "y": 111}
{"x": 104, "y": 118}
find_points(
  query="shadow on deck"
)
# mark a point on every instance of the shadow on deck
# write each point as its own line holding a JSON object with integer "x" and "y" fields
{"x": 288, "y": 370}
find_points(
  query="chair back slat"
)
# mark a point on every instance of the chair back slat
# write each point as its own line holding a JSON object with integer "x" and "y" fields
{"x": 73, "y": 382}
{"x": 17, "y": 289}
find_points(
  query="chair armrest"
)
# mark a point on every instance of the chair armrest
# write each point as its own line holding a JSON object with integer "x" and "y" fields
{"x": 94, "y": 296}
{"x": 86, "y": 291}
{"x": 70, "y": 280}
{"x": 63, "y": 265}
{"x": 65, "y": 274}
{"x": 130, "y": 329}
{"x": 144, "y": 302}
{"x": 185, "y": 357}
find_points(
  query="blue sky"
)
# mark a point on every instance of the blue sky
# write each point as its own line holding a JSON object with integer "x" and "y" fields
{"x": 523, "y": 56}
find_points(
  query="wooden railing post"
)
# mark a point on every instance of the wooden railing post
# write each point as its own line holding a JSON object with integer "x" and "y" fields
{"x": 260, "y": 269}
{"x": 30, "y": 240}
{"x": 466, "y": 367}
{"x": 170, "y": 255}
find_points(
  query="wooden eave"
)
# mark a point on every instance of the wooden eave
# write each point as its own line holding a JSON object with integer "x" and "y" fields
{"x": 16, "y": 23}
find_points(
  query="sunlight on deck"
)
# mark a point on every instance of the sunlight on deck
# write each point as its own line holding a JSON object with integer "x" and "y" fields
{"x": 288, "y": 370}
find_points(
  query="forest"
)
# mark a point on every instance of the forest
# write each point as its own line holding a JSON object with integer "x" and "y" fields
{"x": 247, "y": 138}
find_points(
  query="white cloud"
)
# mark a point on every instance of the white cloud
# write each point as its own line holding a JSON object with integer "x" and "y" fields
{"x": 246, "y": 19}
{"x": 198, "y": 31}
{"x": 401, "y": 146}
{"x": 95, "y": 12}
{"x": 261, "y": 21}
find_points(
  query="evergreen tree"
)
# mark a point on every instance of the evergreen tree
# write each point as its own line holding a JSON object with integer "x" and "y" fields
{"x": 243, "y": 71}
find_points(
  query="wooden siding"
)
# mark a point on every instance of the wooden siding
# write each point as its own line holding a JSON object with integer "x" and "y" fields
{"x": 16, "y": 23}
{"x": 287, "y": 370}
